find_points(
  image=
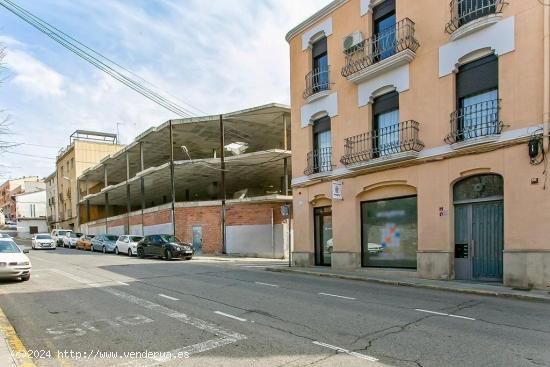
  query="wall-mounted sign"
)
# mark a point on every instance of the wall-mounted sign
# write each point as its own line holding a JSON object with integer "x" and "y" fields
{"x": 443, "y": 211}
{"x": 337, "y": 190}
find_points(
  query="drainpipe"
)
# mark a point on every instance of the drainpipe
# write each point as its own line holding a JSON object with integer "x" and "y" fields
{"x": 546, "y": 76}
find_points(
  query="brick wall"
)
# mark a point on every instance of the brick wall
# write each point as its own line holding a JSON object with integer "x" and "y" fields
{"x": 160, "y": 217}
{"x": 209, "y": 217}
{"x": 246, "y": 214}
{"x": 116, "y": 222}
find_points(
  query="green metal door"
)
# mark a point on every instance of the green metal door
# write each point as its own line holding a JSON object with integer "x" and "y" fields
{"x": 487, "y": 240}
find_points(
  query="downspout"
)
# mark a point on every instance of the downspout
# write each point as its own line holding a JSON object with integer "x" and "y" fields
{"x": 546, "y": 76}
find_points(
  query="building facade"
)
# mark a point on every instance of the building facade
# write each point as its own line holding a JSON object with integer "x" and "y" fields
{"x": 51, "y": 200}
{"x": 31, "y": 212}
{"x": 10, "y": 188}
{"x": 219, "y": 182}
{"x": 420, "y": 130}
{"x": 86, "y": 149}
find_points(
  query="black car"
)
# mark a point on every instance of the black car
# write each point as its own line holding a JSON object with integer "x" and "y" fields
{"x": 164, "y": 245}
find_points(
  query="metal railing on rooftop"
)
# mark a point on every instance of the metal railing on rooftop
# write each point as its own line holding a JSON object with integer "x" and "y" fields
{"x": 381, "y": 46}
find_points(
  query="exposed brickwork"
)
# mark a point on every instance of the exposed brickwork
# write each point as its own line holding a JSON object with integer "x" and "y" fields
{"x": 246, "y": 214}
{"x": 136, "y": 219}
{"x": 209, "y": 217}
{"x": 160, "y": 217}
{"x": 116, "y": 222}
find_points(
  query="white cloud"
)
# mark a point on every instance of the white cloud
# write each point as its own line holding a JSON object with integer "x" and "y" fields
{"x": 33, "y": 76}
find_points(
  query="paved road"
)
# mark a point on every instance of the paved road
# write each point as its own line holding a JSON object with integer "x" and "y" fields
{"x": 220, "y": 313}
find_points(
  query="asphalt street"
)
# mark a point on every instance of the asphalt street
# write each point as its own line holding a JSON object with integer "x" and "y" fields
{"x": 95, "y": 310}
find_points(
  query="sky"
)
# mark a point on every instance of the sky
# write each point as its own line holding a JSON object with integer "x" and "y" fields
{"x": 216, "y": 56}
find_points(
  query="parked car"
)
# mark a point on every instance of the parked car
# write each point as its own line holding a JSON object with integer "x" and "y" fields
{"x": 5, "y": 235}
{"x": 13, "y": 261}
{"x": 43, "y": 240}
{"x": 127, "y": 244}
{"x": 164, "y": 246}
{"x": 104, "y": 243}
{"x": 85, "y": 242}
{"x": 70, "y": 239}
{"x": 58, "y": 234}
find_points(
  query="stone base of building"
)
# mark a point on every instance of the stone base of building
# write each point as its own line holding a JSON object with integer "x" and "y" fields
{"x": 524, "y": 269}
{"x": 346, "y": 260}
{"x": 435, "y": 265}
{"x": 303, "y": 259}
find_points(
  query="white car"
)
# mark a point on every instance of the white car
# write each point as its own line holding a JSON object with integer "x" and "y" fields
{"x": 13, "y": 261}
{"x": 70, "y": 239}
{"x": 43, "y": 240}
{"x": 58, "y": 234}
{"x": 127, "y": 244}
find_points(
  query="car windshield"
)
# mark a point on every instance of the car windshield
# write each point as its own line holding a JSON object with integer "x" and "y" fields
{"x": 135, "y": 238}
{"x": 43, "y": 237}
{"x": 165, "y": 238}
{"x": 64, "y": 233}
{"x": 71, "y": 235}
{"x": 90, "y": 236}
{"x": 8, "y": 247}
{"x": 3, "y": 235}
{"x": 111, "y": 238}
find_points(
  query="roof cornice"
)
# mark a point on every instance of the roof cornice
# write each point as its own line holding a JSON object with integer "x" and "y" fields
{"x": 314, "y": 18}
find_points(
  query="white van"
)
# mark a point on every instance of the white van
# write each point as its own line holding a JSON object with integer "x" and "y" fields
{"x": 58, "y": 234}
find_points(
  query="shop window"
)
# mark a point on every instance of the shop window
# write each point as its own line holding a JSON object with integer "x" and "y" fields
{"x": 389, "y": 232}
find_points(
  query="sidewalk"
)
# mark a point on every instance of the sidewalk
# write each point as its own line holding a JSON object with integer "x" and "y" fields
{"x": 409, "y": 278}
{"x": 12, "y": 351}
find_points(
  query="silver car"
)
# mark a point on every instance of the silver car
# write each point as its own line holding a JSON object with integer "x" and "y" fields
{"x": 104, "y": 243}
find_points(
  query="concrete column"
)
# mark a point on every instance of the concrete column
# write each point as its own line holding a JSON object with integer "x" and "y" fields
{"x": 141, "y": 155}
{"x": 128, "y": 201}
{"x": 142, "y": 194}
{"x": 87, "y": 211}
{"x": 105, "y": 178}
{"x": 107, "y": 208}
{"x": 285, "y": 177}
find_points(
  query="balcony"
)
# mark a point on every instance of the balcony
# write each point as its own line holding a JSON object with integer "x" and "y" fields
{"x": 467, "y": 16}
{"x": 317, "y": 84}
{"x": 385, "y": 51}
{"x": 319, "y": 161}
{"x": 382, "y": 146}
{"x": 475, "y": 124}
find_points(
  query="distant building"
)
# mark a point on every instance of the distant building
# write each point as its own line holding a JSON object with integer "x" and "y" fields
{"x": 10, "y": 188}
{"x": 52, "y": 213}
{"x": 31, "y": 212}
{"x": 85, "y": 149}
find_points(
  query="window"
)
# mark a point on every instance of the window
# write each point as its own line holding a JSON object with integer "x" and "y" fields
{"x": 389, "y": 232}
{"x": 472, "y": 9}
{"x": 385, "y": 110}
{"x": 384, "y": 30}
{"x": 320, "y": 80}
{"x": 477, "y": 99}
{"x": 322, "y": 145}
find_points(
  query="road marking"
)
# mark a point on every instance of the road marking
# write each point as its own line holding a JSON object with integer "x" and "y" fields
{"x": 168, "y": 297}
{"x": 445, "y": 314}
{"x": 229, "y": 315}
{"x": 16, "y": 347}
{"x": 335, "y": 295}
{"x": 223, "y": 336}
{"x": 122, "y": 283}
{"x": 262, "y": 266}
{"x": 342, "y": 350}
{"x": 269, "y": 285}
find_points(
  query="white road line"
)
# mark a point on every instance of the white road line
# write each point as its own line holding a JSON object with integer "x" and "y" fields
{"x": 445, "y": 314}
{"x": 229, "y": 315}
{"x": 269, "y": 285}
{"x": 168, "y": 297}
{"x": 462, "y": 317}
{"x": 122, "y": 283}
{"x": 432, "y": 312}
{"x": 342, "y": 350}
{"x": 335, "y": 295}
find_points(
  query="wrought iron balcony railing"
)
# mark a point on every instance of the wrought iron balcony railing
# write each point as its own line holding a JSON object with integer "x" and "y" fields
{"x": 398, "y": 138}
{"x": 465, "y": 11}
{"x": 319, "y": 160}
{"x": 317, "y": 80}
{"x": 475, "y": 121}
{"x": 381, "y": 46}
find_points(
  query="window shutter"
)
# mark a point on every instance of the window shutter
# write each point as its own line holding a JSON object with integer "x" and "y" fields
{"x": 383, "y": 9}
{"x": 478, "y": 76}
{"x": 323, "y": 124}
{"x": 385, "y": 103}
{"x": 320, "y": 47}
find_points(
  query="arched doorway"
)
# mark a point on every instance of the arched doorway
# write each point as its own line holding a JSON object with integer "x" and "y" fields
{"x": 479, "y": 227}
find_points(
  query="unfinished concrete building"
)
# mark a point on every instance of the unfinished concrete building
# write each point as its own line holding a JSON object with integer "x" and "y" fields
{"x": 219, "y": 182}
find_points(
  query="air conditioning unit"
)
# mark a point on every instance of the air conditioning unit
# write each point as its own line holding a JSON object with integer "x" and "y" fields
{"x": 350, "y": 42}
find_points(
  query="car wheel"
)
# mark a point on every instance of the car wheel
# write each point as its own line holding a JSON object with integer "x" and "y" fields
{"x": 188, "y": 257}
{"x": 130, "y": 252}
{"x": 168, "y": 255}
{"x": 104, "y": 250}
{"x": 25, "y": 278}
{"x": 140, "y": 253}
{"x": 116, "y": 250}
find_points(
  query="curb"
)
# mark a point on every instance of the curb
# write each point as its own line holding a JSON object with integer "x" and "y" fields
{"x": 18, "y": 352}
{"x": 401, "y": 283}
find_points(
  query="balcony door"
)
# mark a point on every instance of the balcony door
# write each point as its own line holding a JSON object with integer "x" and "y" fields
{"x": 323, "y": 235}
{"x": 469, "y": 10}
{"x": 322, "y": 145}
{"x": 386, "y": 124}
{"x": 384, "y": 30}
{"x": 477, "y": 94}
{"x": 320, "y": 65}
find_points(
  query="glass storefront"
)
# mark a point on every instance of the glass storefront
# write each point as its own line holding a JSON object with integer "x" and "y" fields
{"x": 389, "y": 232}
